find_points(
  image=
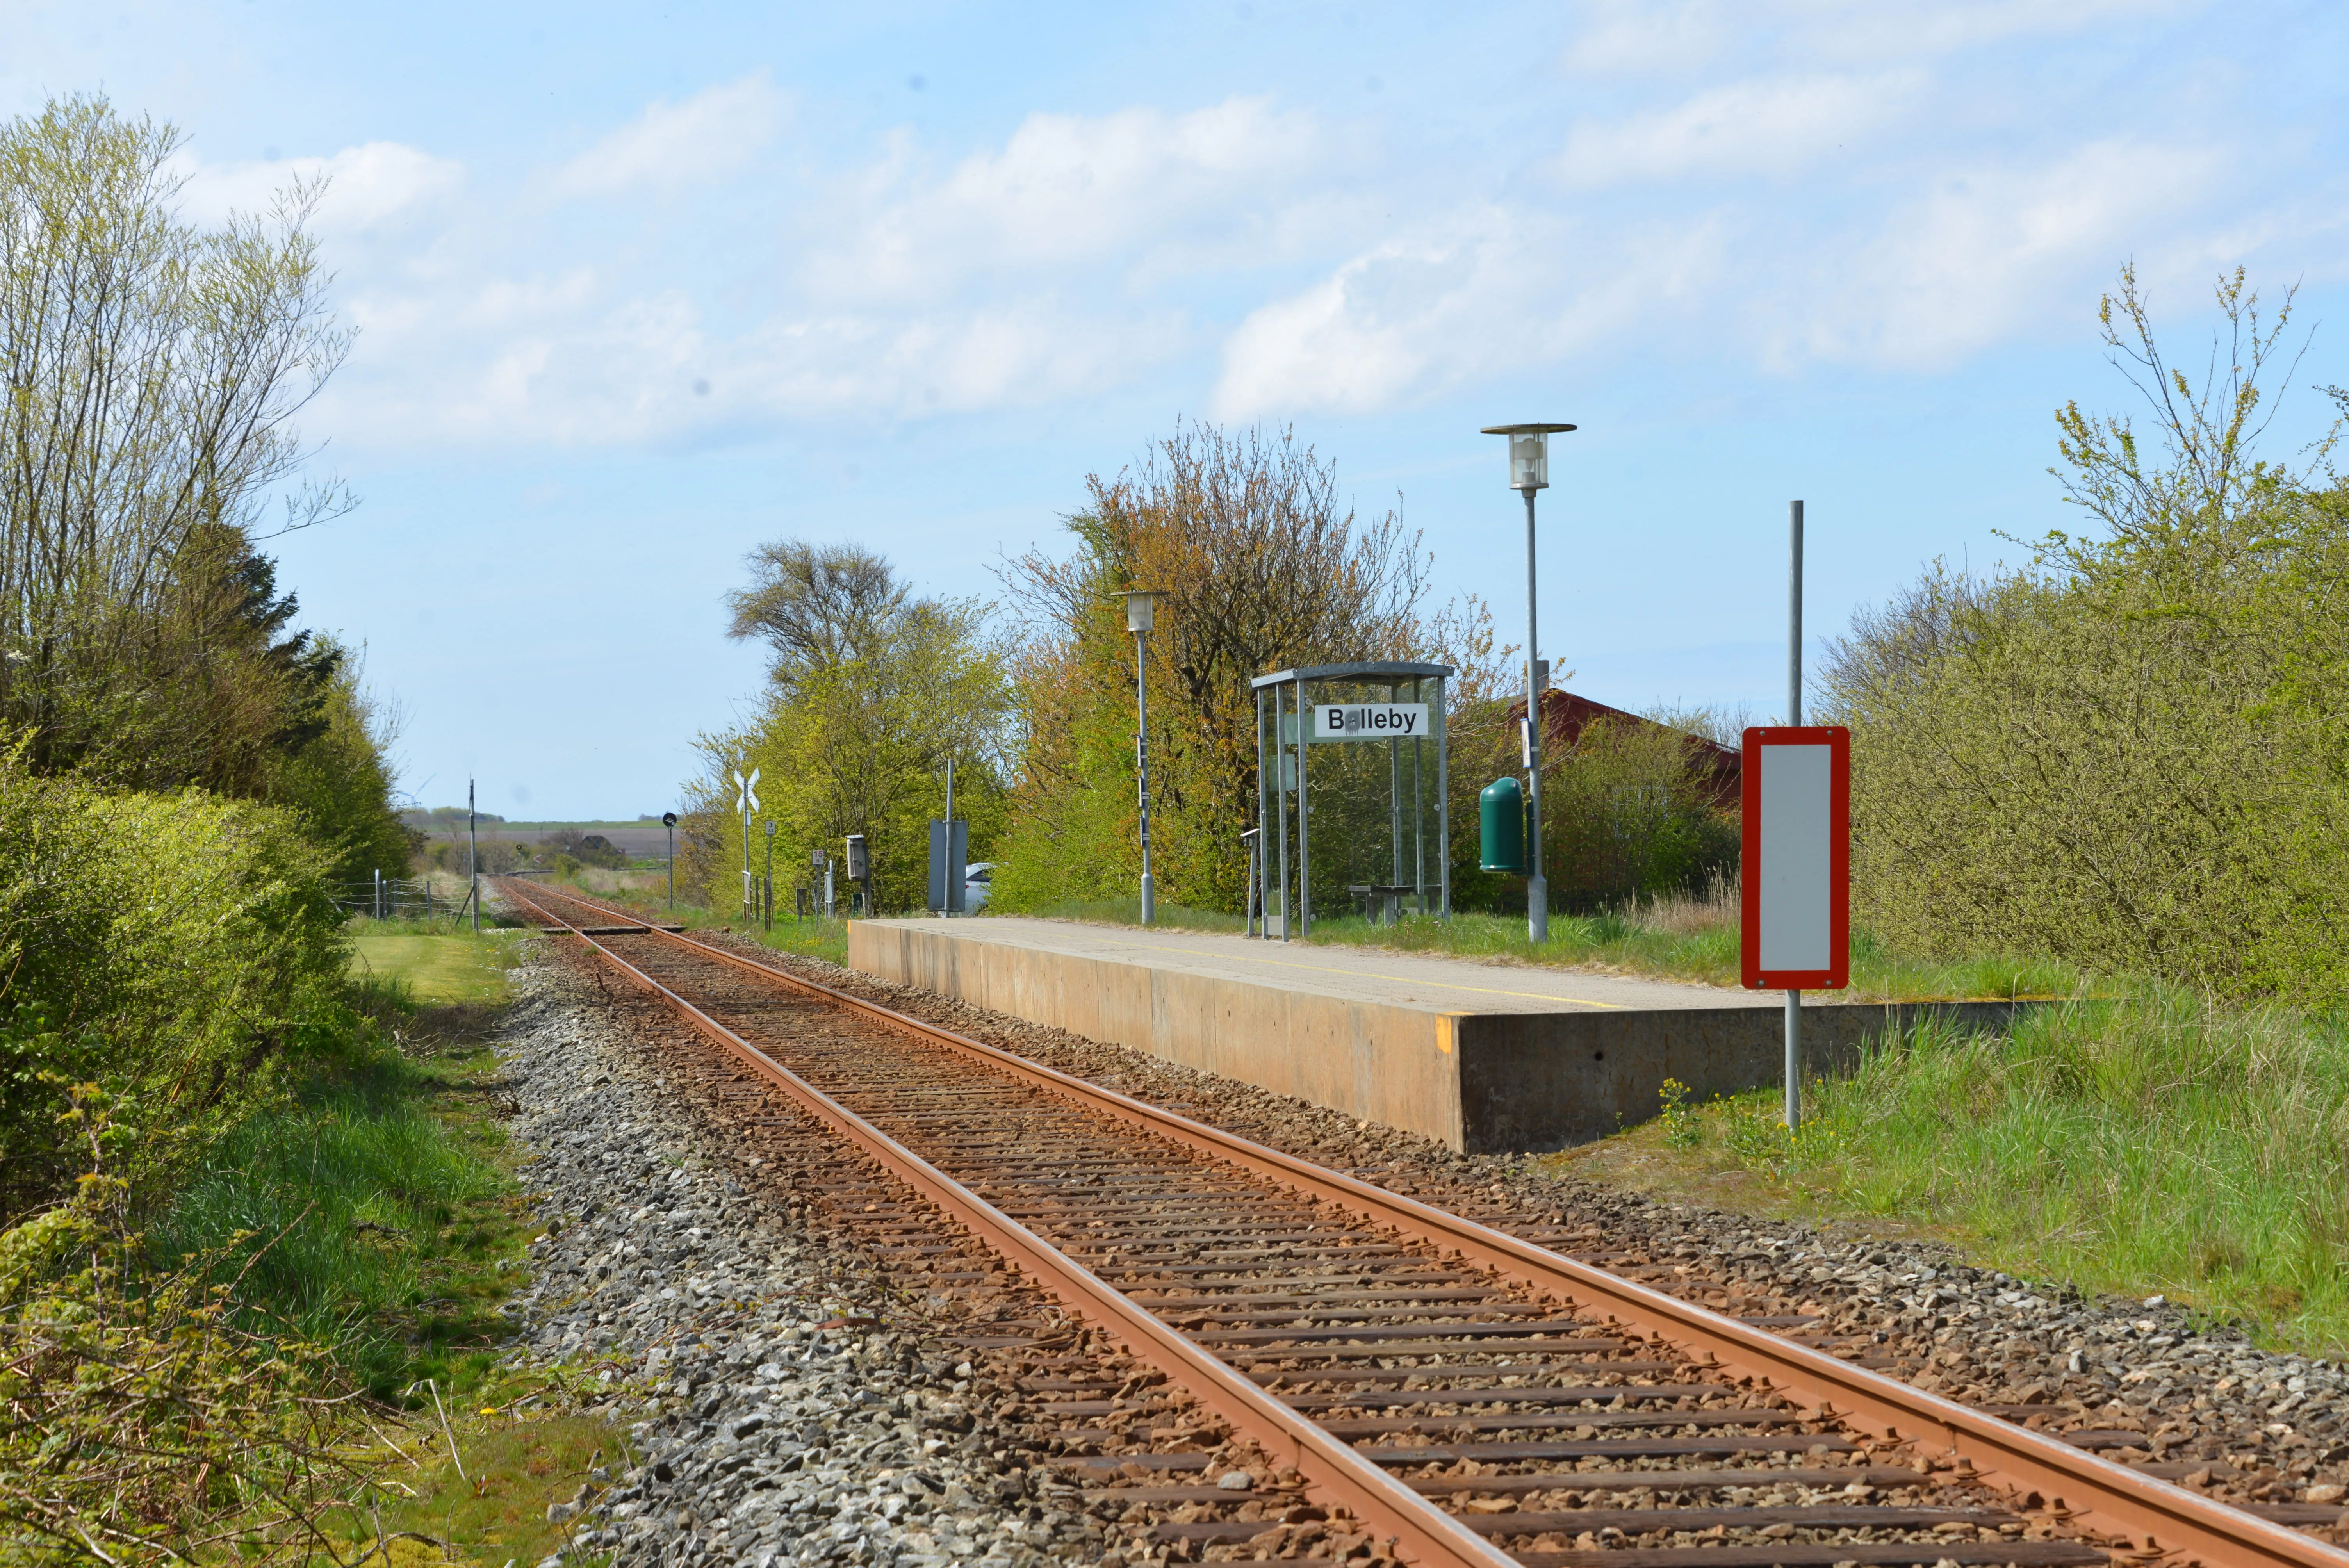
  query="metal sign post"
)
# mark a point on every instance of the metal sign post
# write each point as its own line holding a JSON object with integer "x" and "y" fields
{"x": 1796, "y": 926}
{"x": 1793, "y": 1067}
{"x": 1252, "y": 841}
{"x": 950, "y": 866}
{"x": 767, "y": 899}
{"x": 472, "y": 857}
{"x": 669, "y": 820}
{"x": 860, "y": 868}
{"x": 949, "y": 858}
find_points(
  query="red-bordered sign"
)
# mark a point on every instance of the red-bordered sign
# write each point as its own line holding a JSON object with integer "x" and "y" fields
{"x": 1795, "y": 934}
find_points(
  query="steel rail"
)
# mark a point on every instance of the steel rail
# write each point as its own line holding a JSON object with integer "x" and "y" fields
{"x": 1419, "y": 1530}
{"x": 2096, "y": 1493}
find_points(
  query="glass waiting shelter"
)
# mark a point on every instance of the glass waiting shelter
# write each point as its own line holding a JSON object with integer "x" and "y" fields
{"x": 1351, "y": 771}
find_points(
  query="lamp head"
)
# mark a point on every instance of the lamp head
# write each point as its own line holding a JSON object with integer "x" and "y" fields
{"x": 1528, "y": 453}
{"x": 1142, "y": 608}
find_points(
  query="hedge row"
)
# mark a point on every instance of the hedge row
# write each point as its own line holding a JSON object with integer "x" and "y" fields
{"x": 167, "y": 947}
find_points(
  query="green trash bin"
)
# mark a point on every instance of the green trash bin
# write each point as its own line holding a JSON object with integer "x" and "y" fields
{"x": 1501, "y": 827}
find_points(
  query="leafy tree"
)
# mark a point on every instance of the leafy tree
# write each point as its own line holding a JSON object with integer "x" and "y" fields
{"x": 150, "y": 371}
{"x": 871, "y": 692}
{"x": 169, "y": 947}
{"x": 334, "y": 773}
{"x": 1265, "y": 567}
{"x": 818, "y": 607}
{"x": 2129, "y": 753}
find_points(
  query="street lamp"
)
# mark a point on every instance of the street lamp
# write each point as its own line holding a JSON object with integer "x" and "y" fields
{"x": 1528, "y": 472}
{"x": 1141, "y": 615}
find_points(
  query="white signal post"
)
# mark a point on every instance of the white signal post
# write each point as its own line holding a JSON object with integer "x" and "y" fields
{"x": 746, "y": 798}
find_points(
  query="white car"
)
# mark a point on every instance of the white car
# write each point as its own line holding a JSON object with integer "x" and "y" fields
{"x": 975, "y": 881}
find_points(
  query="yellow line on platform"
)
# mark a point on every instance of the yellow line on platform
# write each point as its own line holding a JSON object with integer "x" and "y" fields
{"x": 1371, "y": 975}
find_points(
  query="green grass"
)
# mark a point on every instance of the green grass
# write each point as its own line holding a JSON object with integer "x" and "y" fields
{"x": 437, "y": 966}
{"x": 1128, "y": 912}
{"x": 369, "y": 1219}
{"x": 2157, "y": 1143}
{"x": 1689, "y": 940}
{"x": 380, "y": 1219}
{"x": 1707, "y": 955}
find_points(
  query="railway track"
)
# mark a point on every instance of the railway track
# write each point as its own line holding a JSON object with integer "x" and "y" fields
{"x": 1422, "y": 1383}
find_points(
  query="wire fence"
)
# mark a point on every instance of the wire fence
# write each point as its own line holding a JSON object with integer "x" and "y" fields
{"x": 395, "y": 897}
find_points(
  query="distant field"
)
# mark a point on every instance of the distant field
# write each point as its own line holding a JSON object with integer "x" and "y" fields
{"x": 633, "y": 837}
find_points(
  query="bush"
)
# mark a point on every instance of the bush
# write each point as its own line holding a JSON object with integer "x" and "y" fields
{"x": 583, "y": 848}
{"x": 2132, "y": 767}
{"x": 2126, "y": 755}
{"x": 169, "y": 947}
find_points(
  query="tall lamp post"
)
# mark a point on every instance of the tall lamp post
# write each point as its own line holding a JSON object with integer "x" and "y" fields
{"x": 1141, "y": 615}
{"x": 1528, "y": 472}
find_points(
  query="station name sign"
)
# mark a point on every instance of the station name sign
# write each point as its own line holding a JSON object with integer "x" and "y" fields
{"x": 1369, "y": 720}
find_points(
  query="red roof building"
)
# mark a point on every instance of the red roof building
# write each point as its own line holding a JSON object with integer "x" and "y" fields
{"x": 1564, "y": 715}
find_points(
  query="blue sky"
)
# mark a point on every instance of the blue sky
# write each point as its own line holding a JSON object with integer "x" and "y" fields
{"x": 638, "y": 288}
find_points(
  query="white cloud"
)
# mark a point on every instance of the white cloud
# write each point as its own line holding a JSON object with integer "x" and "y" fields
{"x": 714, "y": 132}
{"x": 542, "y": 364}
{"x": 1985, "y": 253}
{"x": 1479, "y": 295}
{"x": 1649, "y": 36}
{"x": 1968, "y": 257}
{"x": 366, "y": 185}
{"x": 1769, "y": 128}
{"x": 1230, "y": 183}
{"x": 1270, "y": 258}
{"x": 1366, "y": 335}
{"x": 1677, "y": 38}
{"x": 1049, "y": 267}
{"x": 477, "y": 308}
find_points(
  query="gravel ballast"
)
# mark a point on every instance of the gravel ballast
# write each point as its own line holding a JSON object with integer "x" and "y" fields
{"x": 782, "y": 1402}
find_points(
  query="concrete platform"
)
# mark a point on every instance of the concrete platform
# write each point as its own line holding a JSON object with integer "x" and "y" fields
{"x": 1484, "y": 1057}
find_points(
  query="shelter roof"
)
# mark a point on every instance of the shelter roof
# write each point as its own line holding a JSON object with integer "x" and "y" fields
{"x": 1368, "y": 672}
